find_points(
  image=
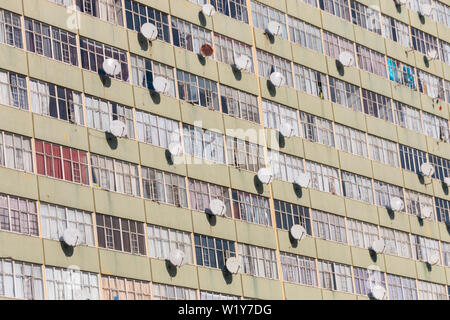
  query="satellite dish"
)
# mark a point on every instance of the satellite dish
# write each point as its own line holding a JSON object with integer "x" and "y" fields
{"x": 298, "y": 232}
{"x": 217, "y": 207}
{"x": 433, "y": 258}
{"x": 243, "y": 62}
{"x": 432, "y": 54}
{"x": 303, "y": 179}
{"x": 396, "y": 204}
{"x": 425, "y": 9}
{"x": 118, "y": 128}
{"x": 426, "y": 211}
{"x": 149, "y": 31}
{"x": 346, "y": 58}
{"x": 206, "y": 50}
{"x": 265, "y": 175}
{"x": 176, "y": 258}
{"x": 274, "y": 28}
{"x": 208, "y": 10}
{"x": 378, "y": 246}
{"x": 401, "y": 2}
{"x": 72, "y": 237}
{"x": 277, "y": 79}
{"x": 286, "y": 129}
{"x": 111, "y": 67}
{"x": 161, "y": 85}
{"x": 447, "y": 181}
{"x": 427, "y": 169}
{"x": 233, "y": 265}
{"x": 175, "y": 149}
{"x": 378, "y": 292}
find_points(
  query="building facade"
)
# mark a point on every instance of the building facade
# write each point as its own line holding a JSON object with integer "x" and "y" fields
{"x": 360, "y": 127}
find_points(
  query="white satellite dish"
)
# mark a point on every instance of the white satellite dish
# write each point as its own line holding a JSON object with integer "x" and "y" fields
{"x": 118, "y": 128}
{"x": 175, "y": 149}
{"x": 433, "y": 258}
{"x": 377, "y": 246}
{"x": 378, "y": 292}
{"x": 447, "y": 181}
{"x": 176, "y": 257}
{"x": 298, "y": 232}
{"x": 217, "y": 207}
{"x": 161, "y": 85}
{"x": 303, "y": 179}
{"x": 72, "y": 237}
{"x": 277, "y": 79}
{"x": 286, "y": 129}
{"x": 425, "y": 9}
{"x": 243, "y": 62}
{"x": 265, "y": 175}
{"x": 401, "y": 2}
{"x": 208, "y": 10}
{"x": 396, "y": 204}
{"x": 111, "y": 67}
{"x": 149, "y": 31}
{"x": 426, "y": 211}
{"x": 346, "y": 58}
{"x": 233, "y": 265}
{"x": 274, "y": 28}
{"x": 427, "y": 169}
{"x": 432, "y": 54}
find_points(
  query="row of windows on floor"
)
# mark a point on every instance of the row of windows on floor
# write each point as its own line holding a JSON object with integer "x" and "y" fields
{"x": 20, "y": 215}
{"x": 61, "y": 45}
{"x": 26, "y": 281}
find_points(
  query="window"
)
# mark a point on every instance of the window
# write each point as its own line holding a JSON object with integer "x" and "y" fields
{"x": 316, "y": 129}
{"x": 415, "y": 202}
{"x": 13, "y": 90}
{"x": 328, "y": 226}
{"x": 56, "y": 219}
{"x": 335, "y": 276}
{"x": 51, "y": 42}
{"x": 137, "y": 14}
{"x": 57, "y": 102}
{"x": 239, "y": 104}
{"x": 401, "y": 288}
{"x": 377, "y": 105}
{"x": 407, "y": 117}
{"x": 203, "y": 143}
{"x": 285, "y": 166}
{"x": 431, "y": 291}
{"x": 311, "y": 81}
{"x": 10, "y": 29}
{"x": 445, "y": 253}
{"x": 287, "y": 214}
{"x": 424, "y": 248}
{"x": 384, "y": 192}
{"x": 120, "y": 234}
{"x": 323, "y": 177}
{"x": 263, "y": 14}
{"x": 445, "y": 51}
{"x": 197, "y": 90}
{"x": 383, "y": 150}
{"x": 167, "y": 292}
{"x": 430, "y": 85}
{"x": 401, "y": 73}
{"x": 115, "y": 175}
{"x": 18, "y": 215}
{"x": 212, "y": 252}
{"x": 441, "y": 13}
{"x": 423, "y": 42}
{"x": 396, "y": 242}
{"x": 366, "y": 17}
{"x": 236, "y": 9}
{"x": 161, "y": 241}
{"x": 67, "y": 3}
{"x": 71, "y": 284}
{"x": 434, "y": 126}
{"x": 21, "y": 280}
{"x": 269, "y": 63}
{"x": 258, "y": 261}
{"x": 334, "y": 45}
{"x": 441, "y": 167}
{"x": 350, "y": 140}
{"x": 189, "y": 36}
{"x": 116, "y": 288}
{"x": 443, "y": 210}
{"x": 93, "y": 53}
{"x": 447, "y": 90}
{"x": 145, "y": 70}
{"x": 371, "y": 61}
{"x": 61, "y": 162}
{"x": 305, "y": 34}
{"x": 201, "y": 193}
{"x": 298, "y": 269}
{"x": 275, "y": 114}
{"x": 244, "y": 155}
{"x": 311, "y": 2}
{"x": 338, "y": 8}
{"x": 166, "y": 187}
{"x": 361, "y": 234}
{"x": 15, "y": 151}
{"x": 251, "y": 208}
{"x": 345, "y": 94}
{"x": 156, "y": 130}
{"x": 227, "y": 50}
{"x": 411, "y": 159}
{"x": 395, "y": 30}
{"x": 208, "y": 295}
{"x": 108, "y": 10}
{"x": 367, "y": 279}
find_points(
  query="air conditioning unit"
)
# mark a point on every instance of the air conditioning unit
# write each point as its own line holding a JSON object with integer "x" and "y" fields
{"x": 297, "y": 232}
{"x": 302, "y": 179}
{"x": 274, "y": 28}
{"x": 161, "y": 85}
{"x": 286, "y": 130}
{"x": 118, "y": 129}
{"x": 346, "y": 58}
{"x": 432, "y": 54}
{"x": 177, "y": 258}
{"x": 72, "y": 237}
{"x": 243, "y": 62}
{"x": 149, "y": 31}
{"x": 427, "y": 169}
{"x": 377, "y": 246}
{"x": 277, "y": 79}
{"x": 217, "y": 207}
{"x": 232, "y": 264}
{"x": 111, "y": 67}
{"x": 208, "y": 10}
{"x": 426, "y": 211}
{"x": 265, "y": 175}
{"x": 378, "y": 292}
{"x": 396, "y": 204}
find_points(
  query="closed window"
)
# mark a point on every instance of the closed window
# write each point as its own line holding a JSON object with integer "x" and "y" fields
{"x": 287, "y": 214}
{"x": 244, "y": 155}
{"x": 396, "y": 30}
{"x": 201, "y": 193}
{"x": 350, "y": 140}
{"x": 361, "y": 234}
{"x": 13, "y": 90}
{"x": 167, "y": 292}
{"x": 197, "y": 90}
{"x": 396, "y": 242}
{"x": 311, "y": 81}
{"x": 269, "y": 63}
{"x": 275, "y": 114}
{"x": 424, "y": 248}
{"x": 161, "y": 241}
{"x": 335, "y": 276}
{"x": 209, "y": 295}
{"x": 108, "y": 10}
{"x": 445, "y": 51}
{"x": 430, "y": 85}
{"x": 236, "y": 9}
{"x": 434, "y": 126}
{"x": 298, "y": 269}
{"x": 251, "y": 208}
{"x": 316, "y": 129}
{"x": 371, "y": 61}
{"x": 445, "y": 253}
{"x": 305, "y": 34}
{"x": 263, "y": 14}
{"x": 117, "y": 288}
{"x": 377, "y": 105}
{"x": 18, "y": 215}
{"x": 334, "y": 45}
{"x": 258, "y": 261}
{"x": 442, "y": 210}
{"x": 71, "y": 284}
{"x": 328, "y": 226}
{"x": 202, "y": 143}
{"x": 21, "y": 280}
{"x": 339, "y": 8}
{"x": 227, "y": 50}
{"x": 15, "y": 151}
{"x": 366, "y": 17}
{"x": 383, "y": 150}
{"x": 10, "y": 29}
{"x": 367, "y": 279}
{"x": 401, "y": 73}
{"x": 411, "y": 159}
{"x": 441, "y": 13}
{"x": 323, "y": 177}
{"x": 441, "y": 167}
{"x": 213, "y": 252}
{"x": 239, "y": 104}
{"x": 407, "y": 117}
{"x": 285, "y": 167}
{"x": 423, "y": 42}
{"x": 345, "y": 94}
{"x": 385, "y": 192}
{"x": 189, "y": 36}
{"x": 431, "y": 291}
{"x": 401, "y": 288}
{"x": 416, "y": 202}
{"x": 156, "y": 130}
